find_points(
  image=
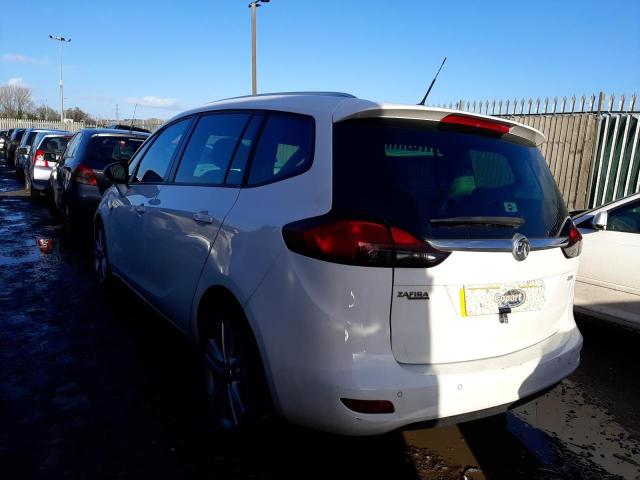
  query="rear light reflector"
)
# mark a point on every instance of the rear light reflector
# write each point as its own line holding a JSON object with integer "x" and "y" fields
{"x": 358, "y": 242}
{"x": 85, "y": 175}
{"x": 574, "y": 247}
{"x": 39, "y": 159}
{"x": 368, "y": 406}
{"x": 480, "y": 123}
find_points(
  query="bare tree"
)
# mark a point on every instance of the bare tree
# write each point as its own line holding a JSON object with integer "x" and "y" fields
{"x": 44, "y": 112}
{"x": 77, "y": 115}
{"x": 15, "y": 101}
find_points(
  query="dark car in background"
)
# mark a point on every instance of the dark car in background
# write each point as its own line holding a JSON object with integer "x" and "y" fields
{"x": 3, "y": 141}
{"x": 22, "y": 153}
{"x": 14, "y": 141}
{"x": 77, "y": 181}
{"x": 45, "y": 153}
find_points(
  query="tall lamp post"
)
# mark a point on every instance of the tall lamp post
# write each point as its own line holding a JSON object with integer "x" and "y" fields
{"x": 254, "y": 81}
{"x": 62, "y": 41}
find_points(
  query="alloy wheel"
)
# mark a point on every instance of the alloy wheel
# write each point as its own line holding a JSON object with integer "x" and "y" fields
{"x": 100, "y": 261}
{"x": 226, "y": 375}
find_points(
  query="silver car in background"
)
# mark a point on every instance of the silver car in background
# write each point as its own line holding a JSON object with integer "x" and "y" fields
{"x": 25, "y": 146}
{"x": 48, "y": 148}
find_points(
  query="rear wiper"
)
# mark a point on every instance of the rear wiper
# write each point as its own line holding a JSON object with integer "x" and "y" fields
{"x": 491, "y": 221}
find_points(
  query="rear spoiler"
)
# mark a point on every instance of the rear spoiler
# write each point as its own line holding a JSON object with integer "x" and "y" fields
{"x": 352, "y": 109}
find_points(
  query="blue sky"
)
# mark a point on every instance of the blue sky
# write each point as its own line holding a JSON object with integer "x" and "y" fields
{"x": 169, "y": 55}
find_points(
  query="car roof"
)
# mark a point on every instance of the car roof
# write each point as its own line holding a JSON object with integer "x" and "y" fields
{"x": 53, "y": 134}
{"x": 112, "y": 131}
{"x": 338, "y": 107}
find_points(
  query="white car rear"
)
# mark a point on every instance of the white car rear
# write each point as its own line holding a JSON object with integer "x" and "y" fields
{"x": 391, "y": 264}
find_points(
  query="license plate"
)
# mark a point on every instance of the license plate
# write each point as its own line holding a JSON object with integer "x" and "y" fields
{"x": 488, "y": 299}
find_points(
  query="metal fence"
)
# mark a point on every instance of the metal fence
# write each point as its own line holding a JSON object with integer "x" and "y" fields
{"x": 6, "y": 123}
{"x": 555, "y": 105}
{"x": 592, "y": 142}
{"x": 615, "y": 171}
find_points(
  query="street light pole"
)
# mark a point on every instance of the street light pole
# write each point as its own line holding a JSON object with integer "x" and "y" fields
{"x": 254, "y": 74}
{"x": 62, "y": 41}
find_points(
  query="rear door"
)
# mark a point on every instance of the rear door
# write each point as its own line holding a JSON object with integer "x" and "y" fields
{"x": 182, "y": 224}
{"x": 469, "y": 195}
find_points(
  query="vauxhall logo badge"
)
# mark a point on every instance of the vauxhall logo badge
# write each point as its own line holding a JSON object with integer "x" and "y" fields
{"x": 521, "y": 247}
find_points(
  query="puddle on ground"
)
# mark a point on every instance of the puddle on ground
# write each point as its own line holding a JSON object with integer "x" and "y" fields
{"x": 17, "y": 260}
{"x": 582, "y": 427}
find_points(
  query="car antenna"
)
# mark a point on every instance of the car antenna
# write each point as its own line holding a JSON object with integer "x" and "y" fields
{"x": 135, "y": 107}
{"x": 432, "y": 83}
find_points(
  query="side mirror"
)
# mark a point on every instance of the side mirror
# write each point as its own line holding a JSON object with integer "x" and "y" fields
{"x": 23, "y": 150}
{"x": 599, "y": 221}
{"x": 117, "y": 172}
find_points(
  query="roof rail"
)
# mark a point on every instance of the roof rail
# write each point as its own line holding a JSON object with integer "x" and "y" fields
{"x": 323, "y": 94}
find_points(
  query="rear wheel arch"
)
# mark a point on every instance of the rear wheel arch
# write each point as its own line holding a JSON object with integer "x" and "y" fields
{"x": 220, "y": 298}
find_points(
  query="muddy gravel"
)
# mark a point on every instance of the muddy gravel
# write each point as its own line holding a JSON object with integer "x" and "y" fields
{"x": 95, "y": 385}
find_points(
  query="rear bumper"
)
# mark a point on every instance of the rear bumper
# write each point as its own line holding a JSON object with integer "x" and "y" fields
{"x": 450, "y": 393}
{"x": 328, "y": 337}
{"x": 83, "y": 201}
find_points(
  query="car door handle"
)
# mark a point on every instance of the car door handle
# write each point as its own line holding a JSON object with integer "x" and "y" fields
{"x": 141, "y": 209}
{"x": 202, "y": 217}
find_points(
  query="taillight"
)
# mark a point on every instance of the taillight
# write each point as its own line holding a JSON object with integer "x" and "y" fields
{"x": 358, "y": 242}
{"x": 39, "y": 160}
{"x": 574, "y": 247}
{"x": 85, "y": 175}
{"x": 473, "y": 122}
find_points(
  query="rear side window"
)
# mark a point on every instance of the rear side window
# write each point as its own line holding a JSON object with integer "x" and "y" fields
{"x": 235, "y": 175}
{"x": 29, "y": 141}
{"x": 440, "y": 184}
{"x": 154, "y": 165}
{"x": 210, "y": 149}
{"x": 72, "y": 146}
{"x": 285, "y": 149}
{"x": 103, "y": 150}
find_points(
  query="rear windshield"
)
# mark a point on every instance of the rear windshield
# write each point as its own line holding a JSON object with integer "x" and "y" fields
{"x": 103, "y": 150}
{"x": 54, "y": 144}
{"x": 443, "y": 184}
{"x": 17, "y": 136}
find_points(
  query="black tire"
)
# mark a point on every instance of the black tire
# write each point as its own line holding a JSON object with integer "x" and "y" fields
{"x": 53, "y": 208}
{"x": 237, "y": 394}
{"x": 34, "y": 195}
{"x": 70, "y": 226}
{"x": 101, "y": 267}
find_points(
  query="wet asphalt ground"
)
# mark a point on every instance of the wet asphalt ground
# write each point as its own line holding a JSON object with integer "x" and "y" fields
{"x": 96, "y": 385}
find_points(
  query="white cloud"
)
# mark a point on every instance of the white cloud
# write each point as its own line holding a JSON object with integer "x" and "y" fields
{"x": 16, "y": 82}
{"x": 154, "y": 102}
{"x": 16, "y": 57}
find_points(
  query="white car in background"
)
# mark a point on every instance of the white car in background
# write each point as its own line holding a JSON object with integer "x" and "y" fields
{"x": 360, "y": 266}
{"x": 608, "y": 283}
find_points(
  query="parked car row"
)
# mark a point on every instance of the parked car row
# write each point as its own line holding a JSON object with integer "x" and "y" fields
{"x": 71, "y": 178}
{"x": 355, "y": 266}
